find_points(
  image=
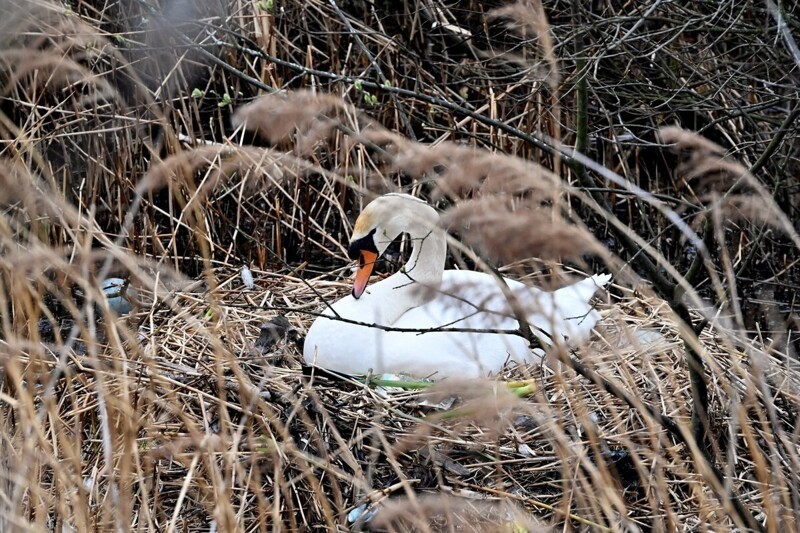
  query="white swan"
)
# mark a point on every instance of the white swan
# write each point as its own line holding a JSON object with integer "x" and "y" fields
{"x": 423, "y": 296}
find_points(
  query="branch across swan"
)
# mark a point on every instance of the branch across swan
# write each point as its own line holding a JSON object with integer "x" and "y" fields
{"x": 424, "y": 301}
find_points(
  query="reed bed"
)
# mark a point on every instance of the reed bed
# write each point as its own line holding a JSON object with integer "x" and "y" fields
{"x": 189, "y": 423}
{"x": 215, "y": 156}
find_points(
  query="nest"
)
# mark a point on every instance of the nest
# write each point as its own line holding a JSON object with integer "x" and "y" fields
{"x": 191, "y": 416}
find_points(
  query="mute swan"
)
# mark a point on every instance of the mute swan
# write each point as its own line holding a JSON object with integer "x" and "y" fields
{"x": 423, "y": 295}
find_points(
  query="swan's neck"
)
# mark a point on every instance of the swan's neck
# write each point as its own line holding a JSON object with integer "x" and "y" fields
{"x": 420, "y": 277}
{"x": 426, "y": 264}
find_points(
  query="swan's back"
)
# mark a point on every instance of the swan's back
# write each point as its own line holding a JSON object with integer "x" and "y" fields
{"x": 476, "y": 300}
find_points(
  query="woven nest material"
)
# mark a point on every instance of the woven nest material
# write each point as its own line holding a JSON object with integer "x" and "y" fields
{"x": 192, "y": 423}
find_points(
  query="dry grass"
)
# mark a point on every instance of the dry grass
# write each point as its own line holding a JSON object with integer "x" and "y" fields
{"x": 183, "y": 421}
{"x": 176, "y": 417}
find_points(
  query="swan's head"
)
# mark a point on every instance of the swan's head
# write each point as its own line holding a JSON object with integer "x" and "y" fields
{"x": 379, "y": 224}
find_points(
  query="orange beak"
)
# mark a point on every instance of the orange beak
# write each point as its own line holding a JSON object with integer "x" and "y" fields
{"x": 366, "y": 261}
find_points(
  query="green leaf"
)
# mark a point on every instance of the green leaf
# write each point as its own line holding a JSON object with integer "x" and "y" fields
{"x": 226, "y": 100}
{"x": 197, "y": 93}
{"x": 408, "y": 385}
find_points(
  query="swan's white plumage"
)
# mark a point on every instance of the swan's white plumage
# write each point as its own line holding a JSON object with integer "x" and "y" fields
{"x": 425, "y": 296}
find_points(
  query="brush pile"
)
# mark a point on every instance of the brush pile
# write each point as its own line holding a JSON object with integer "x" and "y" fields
{"x": 214, "y": 155}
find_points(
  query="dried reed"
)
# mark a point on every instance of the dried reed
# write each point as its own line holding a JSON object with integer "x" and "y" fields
{"x": 174, "y": 417}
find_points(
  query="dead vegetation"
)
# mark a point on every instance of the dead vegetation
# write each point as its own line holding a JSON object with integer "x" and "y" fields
{"x": 150, "y": 154}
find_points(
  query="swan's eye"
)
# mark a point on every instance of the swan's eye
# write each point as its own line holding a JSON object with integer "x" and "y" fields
{"x": 366, "y": 242}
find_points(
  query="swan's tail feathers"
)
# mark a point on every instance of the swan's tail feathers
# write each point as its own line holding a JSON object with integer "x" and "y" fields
{"x": 580, "y": 292}
{"x": 601, "y": 280}
{"x": 573, "y": 317}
